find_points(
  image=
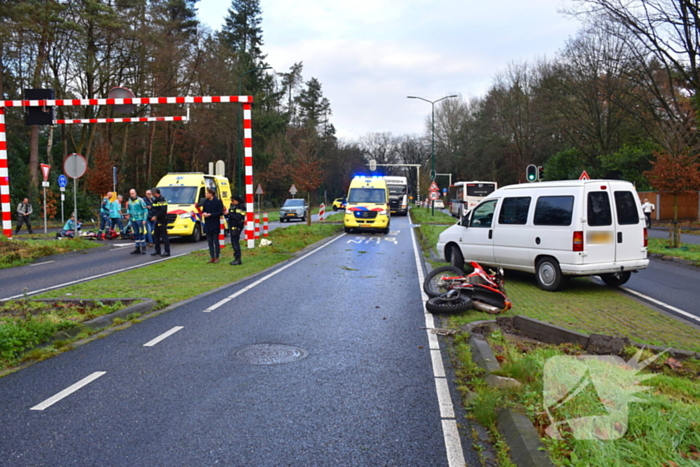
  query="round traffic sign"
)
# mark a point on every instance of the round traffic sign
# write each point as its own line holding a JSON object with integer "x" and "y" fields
{"x": 434, "y": 195}
{"x": 62, "y": 181}
{"x": 75, "y": 165}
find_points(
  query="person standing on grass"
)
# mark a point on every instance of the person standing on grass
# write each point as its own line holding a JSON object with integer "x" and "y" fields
{"x": 149, "y": 224}
{"x": 137, "y": 212}
{"x": 212, "y": 210}
{"x": 236, "y": 217}
{"x": 24, "y": 210}
{"x": 648, "y": 208}
{"x": 159, "y": 216}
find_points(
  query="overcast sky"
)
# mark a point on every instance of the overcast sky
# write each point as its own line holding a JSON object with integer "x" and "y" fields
{"x": 370, "y": 54}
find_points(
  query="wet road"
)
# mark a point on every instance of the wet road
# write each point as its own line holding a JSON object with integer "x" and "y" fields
{"x": 357, "y": 381}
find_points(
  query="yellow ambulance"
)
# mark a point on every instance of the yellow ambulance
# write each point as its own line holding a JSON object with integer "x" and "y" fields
{"x": 367, "y": 205}
{"x": 182, "y": 190}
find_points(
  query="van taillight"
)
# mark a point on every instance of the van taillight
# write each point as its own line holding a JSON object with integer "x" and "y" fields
{"x": 578, "y": 241}
{"x": 646, "y": 237}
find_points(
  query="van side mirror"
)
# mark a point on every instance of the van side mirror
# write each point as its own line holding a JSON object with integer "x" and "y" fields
{"x": 464, "y": 222}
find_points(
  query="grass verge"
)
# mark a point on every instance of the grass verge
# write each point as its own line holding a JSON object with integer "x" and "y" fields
{"x": 431, "y": 226}
{"x": 193, "y": 275}
{"x": 687, "y": 252}
{"x": 662, "y": 428}
{"x": 20, "y": 252}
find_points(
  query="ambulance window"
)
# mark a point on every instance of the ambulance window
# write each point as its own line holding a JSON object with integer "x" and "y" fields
{"x": 514, "y": 211}
{"x": 483, "y": 214}
{"x": 626, "y": 207}
{"x": 599, "y": 209}
{"x": 201, "y": 197}
{"x": 554, "y": 210}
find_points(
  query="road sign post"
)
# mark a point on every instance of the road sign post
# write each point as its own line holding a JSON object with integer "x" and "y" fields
{"x": 45, "y": 168}
{"x": 62, "y": 182}
{"x": 75, "y": 166}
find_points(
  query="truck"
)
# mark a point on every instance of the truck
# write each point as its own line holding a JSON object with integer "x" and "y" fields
{"x": 182, "y": 190}
{"x": 398, "y": 194}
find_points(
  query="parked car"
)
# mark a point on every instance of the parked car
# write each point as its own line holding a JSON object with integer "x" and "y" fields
{"x": 439, "y": 204}
{"x": 555, "y": 230}
{"x": 294, "y": 209}
{"x": 339, "y": 204}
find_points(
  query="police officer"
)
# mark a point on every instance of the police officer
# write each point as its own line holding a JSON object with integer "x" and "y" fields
{"x": 159, "y": 214}
{"x": 236, "y": 218}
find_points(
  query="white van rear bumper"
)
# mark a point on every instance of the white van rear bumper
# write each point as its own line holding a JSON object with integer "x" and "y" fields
{"x": 602, "y": 268}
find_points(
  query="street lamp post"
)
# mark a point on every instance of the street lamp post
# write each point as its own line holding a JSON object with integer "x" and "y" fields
{"x": 240, "y": 129}
{"x": 432, "y": 152}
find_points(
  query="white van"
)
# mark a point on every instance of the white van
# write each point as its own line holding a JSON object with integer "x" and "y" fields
{"x": 554, "y": 229}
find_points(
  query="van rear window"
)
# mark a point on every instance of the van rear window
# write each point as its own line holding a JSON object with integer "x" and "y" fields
{"x": 599, "y": 212}
{"x": 514, "y": 211}
{"x": 554, "y": 210}
{"x": 626, "y": 207}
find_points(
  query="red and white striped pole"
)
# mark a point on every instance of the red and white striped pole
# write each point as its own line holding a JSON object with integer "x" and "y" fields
{"x": 265, "y": 224}
{"x": 322, "y": 212}
{"x": 257, "y": 226}
{"x": 222, "y": 234}
{"x": 248, "y": 163}
{"x": 4, "y": 181}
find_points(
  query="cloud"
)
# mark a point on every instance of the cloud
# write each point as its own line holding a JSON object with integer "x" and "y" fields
{"x": 370, "y": 54}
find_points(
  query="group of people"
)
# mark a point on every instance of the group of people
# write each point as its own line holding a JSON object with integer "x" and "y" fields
{"x": 212, "y": 211}
{"x": 146, "y": 218}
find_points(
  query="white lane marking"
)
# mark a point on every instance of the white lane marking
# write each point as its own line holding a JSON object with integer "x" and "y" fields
{"x": 87, "y": 279}
{"x": 45, "y": 262}
{"x": 272, "y": 274}
{"x": 453, "y": 443}
{"x": 444, "y": 399}
{"x": 68, "y": 391}
{"x": 660, "y": 303}
{"x": 122, "y": 245}
{"x": 165, "y": 335}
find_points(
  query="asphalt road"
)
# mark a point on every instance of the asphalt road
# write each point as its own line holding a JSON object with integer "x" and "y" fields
{"x": 363, "y": 392}
{"x": 61, "y": 270}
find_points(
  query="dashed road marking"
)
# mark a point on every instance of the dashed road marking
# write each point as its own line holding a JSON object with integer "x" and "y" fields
{"x": 45, "y": 262}
{"x": 68, "y": 391}
{"x": 165, "y": 335}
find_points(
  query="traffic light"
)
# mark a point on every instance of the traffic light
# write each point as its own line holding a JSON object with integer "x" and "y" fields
{"x": 540, "y": 173}
{"x": 531, "y": 173}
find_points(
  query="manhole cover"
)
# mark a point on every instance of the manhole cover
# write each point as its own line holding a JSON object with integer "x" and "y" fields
{"x": 269, "y": 354}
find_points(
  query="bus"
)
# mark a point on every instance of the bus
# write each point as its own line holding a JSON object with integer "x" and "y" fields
{"x": 463, "y": 196}
{"x": 398, "y": 194}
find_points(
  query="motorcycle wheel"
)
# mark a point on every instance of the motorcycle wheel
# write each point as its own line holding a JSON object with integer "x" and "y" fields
{"x": 439, "y": 305}
{"x": 430, "y": 284}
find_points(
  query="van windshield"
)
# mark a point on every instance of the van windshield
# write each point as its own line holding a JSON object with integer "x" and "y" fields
{"x": 178, "y": 194}
{"x": 367, "y": 195}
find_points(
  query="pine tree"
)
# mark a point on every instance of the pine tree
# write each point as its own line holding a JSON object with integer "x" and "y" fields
{"x": 241, "y": 31}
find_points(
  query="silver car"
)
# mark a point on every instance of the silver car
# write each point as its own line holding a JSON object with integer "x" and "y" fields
{"x": 293, "y": 209}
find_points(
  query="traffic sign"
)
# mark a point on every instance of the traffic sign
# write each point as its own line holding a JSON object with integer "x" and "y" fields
{"x": 45, "y": 184}
{"x": 75, "y": 165}
{"x": 373, "y": 165}
{"x": 444, "y": 191}
{"x": 293, "y": 190}
{"x": 45, "y": 171}
{"x": 434, "y": 195}
{"x": 259, "y": 190}
{"x": 584, "y": 176}
{"x": 62, "y": 181}
{"x": 434, "y": 187}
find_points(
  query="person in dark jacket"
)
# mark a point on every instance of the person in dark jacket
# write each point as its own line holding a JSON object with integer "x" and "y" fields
{"x": 24, "y": 210}
{"x": 159, "y": 215}
{"x": 212, "y": 210}
{"x": 236, "y": 218}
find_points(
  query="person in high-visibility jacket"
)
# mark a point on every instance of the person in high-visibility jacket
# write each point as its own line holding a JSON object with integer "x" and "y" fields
{"x": 236, "y": 218}
{"x": 137, "y": 211}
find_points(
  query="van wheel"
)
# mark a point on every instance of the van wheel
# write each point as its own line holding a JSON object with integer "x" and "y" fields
{"x": 548, "y": 274}
{"x": 434, "y": 285}
{"x": 196, "y": 234}
{"x": 456, "y": 258}
{"x": 616, "y": 279}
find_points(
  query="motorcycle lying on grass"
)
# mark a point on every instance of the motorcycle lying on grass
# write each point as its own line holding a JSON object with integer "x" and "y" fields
{"x": 452, "y": 291}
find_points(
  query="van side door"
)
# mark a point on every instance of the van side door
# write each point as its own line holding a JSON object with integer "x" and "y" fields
{"x": 477, "y": 238}
{"x": 512, "y": 237}
{"x": 630, "y": 224}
